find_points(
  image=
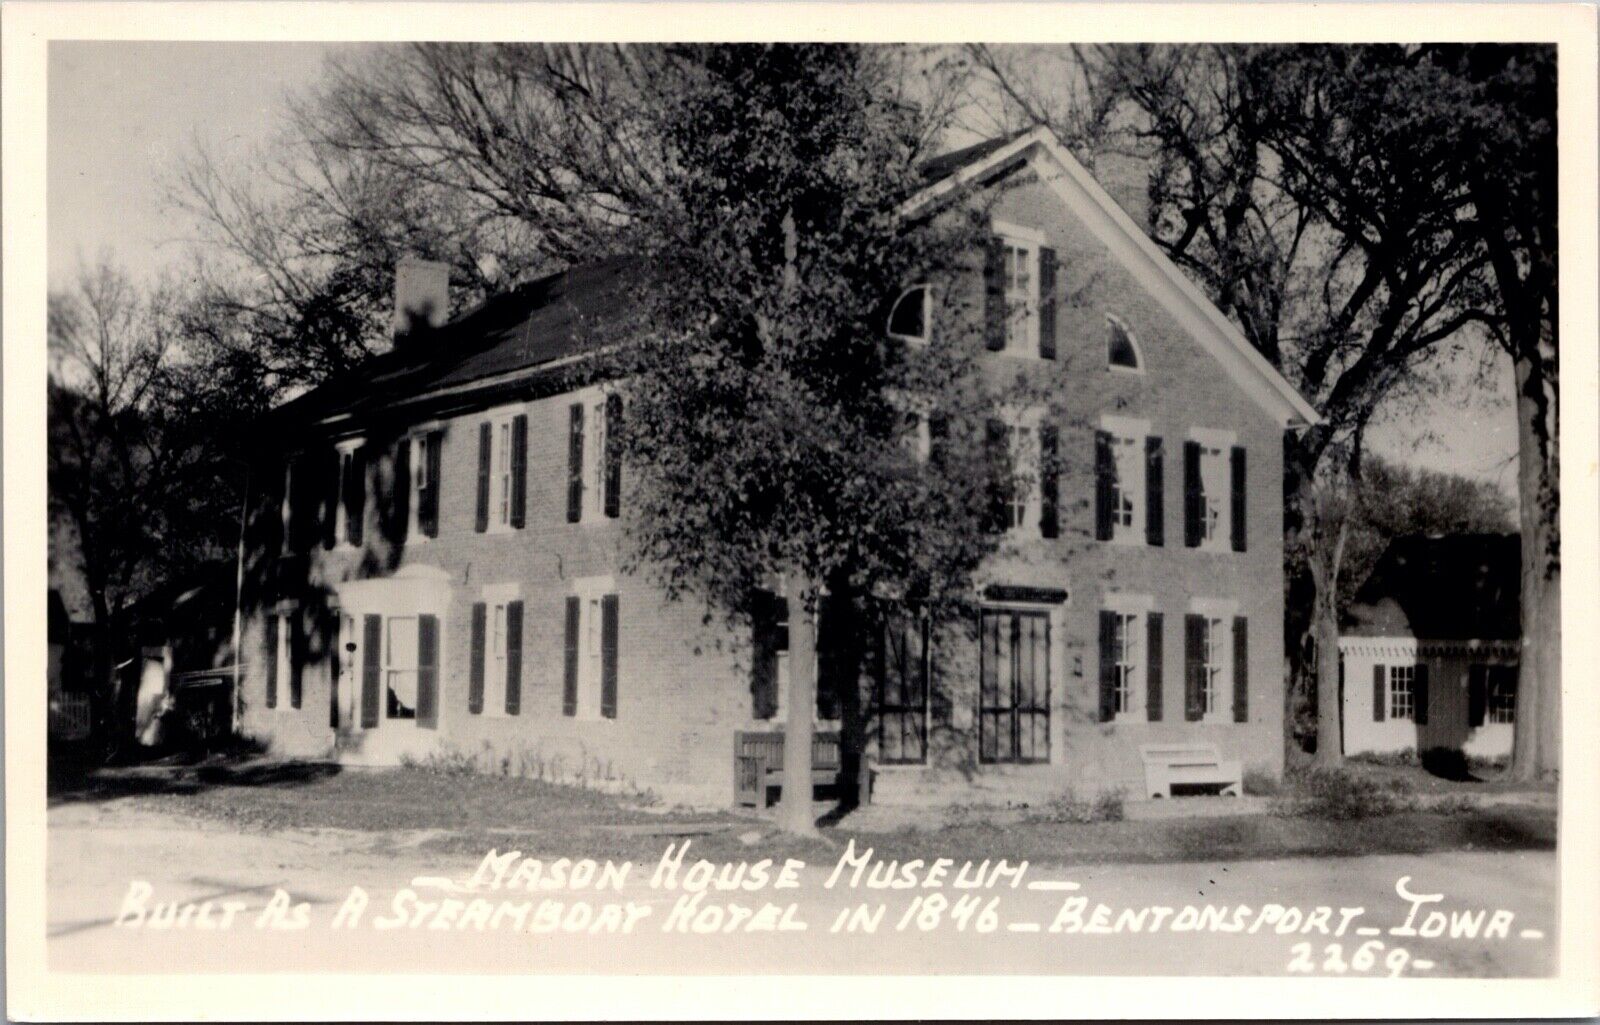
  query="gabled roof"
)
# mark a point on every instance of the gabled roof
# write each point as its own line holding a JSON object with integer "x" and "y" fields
{"x": 555, "y": 319}
{"x": 1457, "y": 587}
{"x": 1142, "y": 257}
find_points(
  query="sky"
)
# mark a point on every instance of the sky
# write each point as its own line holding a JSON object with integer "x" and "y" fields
{"x": 122, "y": 115}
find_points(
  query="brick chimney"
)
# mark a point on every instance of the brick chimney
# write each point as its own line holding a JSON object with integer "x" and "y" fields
{"x": 1127, "y": 179}
{"x": 421, "y": 297}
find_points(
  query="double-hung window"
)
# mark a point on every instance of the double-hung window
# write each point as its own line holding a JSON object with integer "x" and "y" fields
{"x": 502, "y": 470}
{"x": 400, "y": 665}
{"x": 1125, "y": 663}
{"x": 1402, "y": 692}
{"x": 1214, "y": 491}
{"x": 590, "y": 670}
{"x": 1018, "y": 250}
{"x": 1017, "y": 481}
{"x": 350, "y": 510}
{"x": 1215, "y": 665}
{"x": 1502, "y": 694}
{"x": 594, "y": 456}
{"x": 502, "y": 473}
{"x": 1130, "y": 659}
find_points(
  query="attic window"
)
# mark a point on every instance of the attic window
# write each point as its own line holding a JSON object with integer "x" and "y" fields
{"x": 911, "y": 317}
{"x": 1122, "y": 352}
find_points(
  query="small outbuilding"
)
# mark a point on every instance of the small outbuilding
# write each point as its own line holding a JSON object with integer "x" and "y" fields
{"x": 1429, "y": 649}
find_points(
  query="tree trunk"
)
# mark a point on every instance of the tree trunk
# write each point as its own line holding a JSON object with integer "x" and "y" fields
{"x": 1325, "y": 628}
{"x": 794, "y": 804}
{"x": 1536, "y": 748}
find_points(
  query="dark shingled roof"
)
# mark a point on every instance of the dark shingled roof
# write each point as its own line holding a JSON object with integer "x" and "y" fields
{"x": 531, "y": 326}
{"x": 1459, "y": 587}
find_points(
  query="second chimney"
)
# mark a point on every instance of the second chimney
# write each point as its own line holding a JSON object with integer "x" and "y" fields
{"x": 421, "y": 296}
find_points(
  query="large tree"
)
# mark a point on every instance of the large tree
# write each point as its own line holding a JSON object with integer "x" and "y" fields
{"x": 767, "y": 416}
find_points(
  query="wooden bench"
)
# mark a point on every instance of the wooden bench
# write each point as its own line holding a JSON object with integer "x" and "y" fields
{"x": 1169, "y": 765}
{"x": 758, "y": 763}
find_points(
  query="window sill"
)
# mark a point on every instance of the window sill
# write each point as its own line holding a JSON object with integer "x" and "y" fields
{"x": 1125, "y": 371}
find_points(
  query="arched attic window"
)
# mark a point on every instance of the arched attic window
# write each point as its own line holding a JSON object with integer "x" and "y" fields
{"x": 911, "y": 316}
{"x": 1122, "y": 349}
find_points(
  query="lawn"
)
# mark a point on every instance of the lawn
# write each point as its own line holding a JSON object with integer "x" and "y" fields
{"x": 454, "y": 813}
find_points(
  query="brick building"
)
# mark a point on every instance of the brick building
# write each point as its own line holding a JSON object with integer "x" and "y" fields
{"x": 443, "y": 567}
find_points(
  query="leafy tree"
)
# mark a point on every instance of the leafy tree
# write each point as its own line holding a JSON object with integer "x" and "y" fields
{"x": 767, "y": 415}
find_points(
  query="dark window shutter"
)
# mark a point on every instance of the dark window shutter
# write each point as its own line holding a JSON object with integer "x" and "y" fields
{"x": 1419, "y": 695}
{"x": 485, "y": 467}
{"x": 514, "y": 658}
{"x": 608, "y": 656}
{"x": 1241, "y": 669}
{"x": 575, "y": 463}
{"x": 371, "y": 669}
{"x": 1237, "y": 463}
{"x": 1049, "y": 481}
{"x": 428, "y": 515}
{"x": 1155, "y": 494}
{"x": 994, "y": 295}
{"x": 331, "y": 620}
{"x": 763, "y": 655}
{"x": 480, "y": 631}
{"x": 272, "y": 660}
{"x": 402, "y": 490}
{"x": 1105, "y": 471}
{"x": 1108, "y": 666}
{"x": 355, "y": 497}
{"x": 1380, "y": 692}
{"x": 1192, "y": 511}
{"x": 1152, "y": 667}
{"x": 613, "y": 457}
{"x": 1477, "y": 695}
{"x": 519, "y": 470}
{"x": 330, "y": 497}
{"x": 999, "y": 464}
{"x": 428, "y": 672}
{"x": 1047, "y": 303}
{"x": 297, "y": 658}
{"x": 569, "y": 676}
{"x": 1194, "y": 659}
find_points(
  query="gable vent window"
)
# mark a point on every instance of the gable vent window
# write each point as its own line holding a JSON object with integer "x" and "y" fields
{"x": 911, "y": 319}
{"x": 1122, "y": 352}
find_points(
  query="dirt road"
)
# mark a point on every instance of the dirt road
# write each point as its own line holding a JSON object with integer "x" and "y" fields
{"x": 213, "y": 903}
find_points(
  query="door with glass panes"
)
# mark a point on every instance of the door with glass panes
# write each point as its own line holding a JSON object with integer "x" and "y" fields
{"x": 1014, "y": 686}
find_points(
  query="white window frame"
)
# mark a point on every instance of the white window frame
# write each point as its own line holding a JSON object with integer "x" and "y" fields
{"x": 591, "y": 645}
{"x": 927, "y": 315}
{"x": 1216, "y": 447}
{"x": 1401, "y": 683}
{"x": 501, "y": 480}
{"x": 593, "y": 400}
{"x": 388, "y": 667}
{"x": 1022, "y": 306}
{"x": 496, "y": 598}
{"x": 1137, "y": 370}
{"x": 1022, "y": 439}
{"x": 1219, "y": 613}
{"x": 341, "y": 516}
{"x": 1128, "y": 437}
{"x": 417, "y": 465}
{"x": 1133, "y": 661}
{"x": 1493, "y": 714}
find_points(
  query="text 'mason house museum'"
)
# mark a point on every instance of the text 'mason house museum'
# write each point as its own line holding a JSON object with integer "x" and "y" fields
{"x": 445, "y": 570}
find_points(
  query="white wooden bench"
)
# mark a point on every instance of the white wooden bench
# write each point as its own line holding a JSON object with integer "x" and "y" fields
{"x": 1166, "y": 765}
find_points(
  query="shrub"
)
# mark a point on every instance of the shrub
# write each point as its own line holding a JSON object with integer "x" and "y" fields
{"x": 1261, "y": 783}
{"x": 1325, "y": 793}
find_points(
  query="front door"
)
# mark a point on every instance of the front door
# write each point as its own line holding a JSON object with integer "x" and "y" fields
{"x": 1014, "y": 686}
